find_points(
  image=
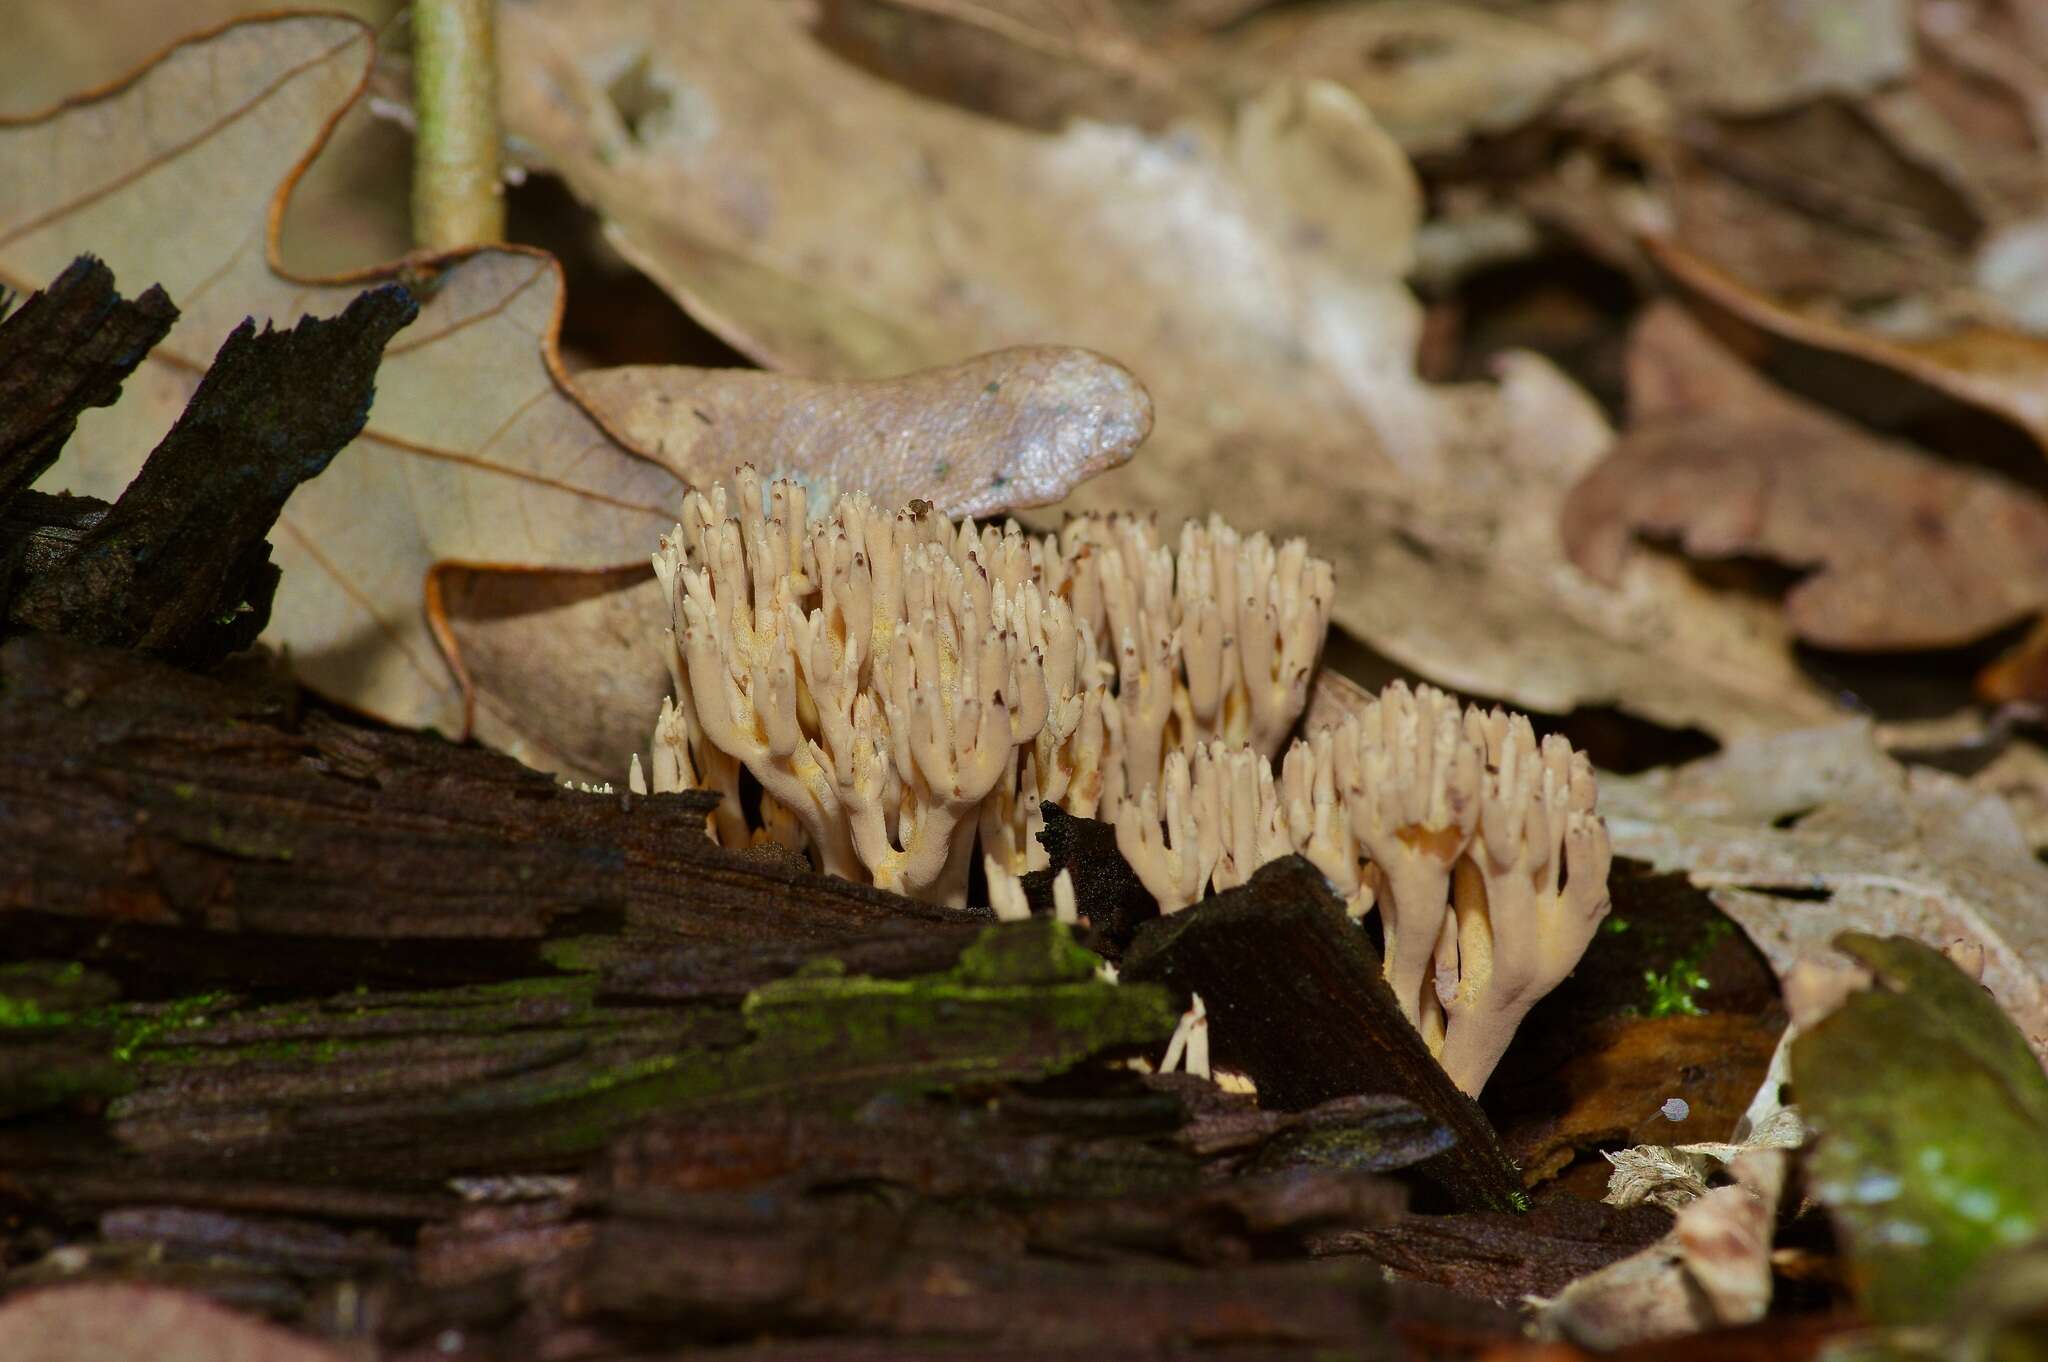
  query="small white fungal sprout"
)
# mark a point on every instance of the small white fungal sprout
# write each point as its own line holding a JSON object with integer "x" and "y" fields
{"x": 1065, "y": 906}
{"x": 1005, "y": 892}
{"x": 1188, "y": 1048}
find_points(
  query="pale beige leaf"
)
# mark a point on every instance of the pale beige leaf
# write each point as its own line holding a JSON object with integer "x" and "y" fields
{"x": 351, "y": 208}
{"x": 1752, "y": 58}
{"x": 1011, "y": 429}
{"x": 1436, "y": 75}
{"x": 1801, "y": 836}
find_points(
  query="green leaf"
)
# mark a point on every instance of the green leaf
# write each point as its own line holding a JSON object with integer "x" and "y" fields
{"x": 1933, "y": 1120}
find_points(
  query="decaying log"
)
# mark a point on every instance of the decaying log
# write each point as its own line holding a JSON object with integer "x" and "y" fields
{"x": 1297, "y": 1000}
{"x": 147, "y": 809}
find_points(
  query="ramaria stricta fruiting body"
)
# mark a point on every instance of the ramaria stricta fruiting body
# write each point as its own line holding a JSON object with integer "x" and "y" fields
{"x": 904, "y": 690}
{"x": 900, "y": 686}
{"x": 1478, "y": 844}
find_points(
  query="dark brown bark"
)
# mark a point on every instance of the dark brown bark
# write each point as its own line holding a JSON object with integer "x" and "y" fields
{"x": 148, "y": 809}
{"x": 1296, "y": 999}
{"x": 66, "y": 349}
{"x": 179, "y": 565}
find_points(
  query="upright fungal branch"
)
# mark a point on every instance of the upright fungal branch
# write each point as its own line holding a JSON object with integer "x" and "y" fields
{"x": 1530, "y": 892}
{"x": 1410, "y": 780}
{"x": 1215, "y": 642}
{"x": 902, "y": 688}
{"x": 1479, "y": 846}
{"x": 873, "y": 684}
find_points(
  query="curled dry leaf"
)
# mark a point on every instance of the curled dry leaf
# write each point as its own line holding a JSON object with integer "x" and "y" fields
{"x": 1907, "y": 551}
{"x": 2022, "y": 674}
{"x": 1800, "y": 836}
{"x": 1249, "y": 274}
{"x": 1011, "y": 429}
{"x": 477, "y": 452}
{"x": 1712, "y": 1269}
{"x": 1999, "y": 371}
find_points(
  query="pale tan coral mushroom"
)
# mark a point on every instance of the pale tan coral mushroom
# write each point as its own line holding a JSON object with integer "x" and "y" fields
{"x": 879, "y": 718}
{"x": 1400, "y": 807}
{"x": 1216, "y": 642}
{"x": 901, "y": 687}
{"x": 1409, "y": 779}
{"x": 1530, "y": 892}
{"x": 1172, "y": 835}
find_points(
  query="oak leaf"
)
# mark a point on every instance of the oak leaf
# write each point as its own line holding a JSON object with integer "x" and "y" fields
{"x": 1906, "y": 551}
{"x": 478, "y": 450}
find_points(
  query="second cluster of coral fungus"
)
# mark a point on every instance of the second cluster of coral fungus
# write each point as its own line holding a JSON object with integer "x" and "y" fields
{"x": 1478, "y": 844}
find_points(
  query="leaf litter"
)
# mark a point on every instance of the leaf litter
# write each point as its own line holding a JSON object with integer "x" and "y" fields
{"x": 1250, "y": 260}
{"x": 478, "y": 451}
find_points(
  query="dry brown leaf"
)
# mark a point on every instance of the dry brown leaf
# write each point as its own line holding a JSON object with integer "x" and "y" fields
{"x": 1436, "y": 75}
{"x": 1907, "y": 551}
{"x": 1818, "y": 202}
{"x": 476, "y": 452}
{"x": 1037, "y": 62}
{"x": 1760, "y": 57}
{"x": 1249, "y": 275}
{"x": 2021, "y": 676}
{"x": 350, "y": 209}
{"x": 473, "y": 450}
{"x": 108, "y": 1322}
{"x": 1802, "y": 836}
{"x": 2000, "y": 371}
{"x": 1015, "y": 428}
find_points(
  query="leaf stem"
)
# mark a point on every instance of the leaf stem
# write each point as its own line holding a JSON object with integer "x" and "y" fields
{"x": 458, "y": 196}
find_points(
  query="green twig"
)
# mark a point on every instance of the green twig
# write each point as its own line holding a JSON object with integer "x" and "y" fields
{"x": 458, "y": 196}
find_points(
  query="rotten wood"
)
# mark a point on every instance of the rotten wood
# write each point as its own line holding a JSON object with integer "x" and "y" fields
{"x": 179, "y": 566}
{"x": 1297, "y": 1000}
{"x": 149, "y": 810}
{"x": 1503, "y": 1257}
{"x": 66, "y": 349}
